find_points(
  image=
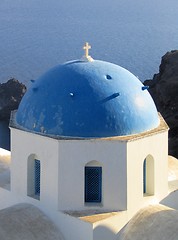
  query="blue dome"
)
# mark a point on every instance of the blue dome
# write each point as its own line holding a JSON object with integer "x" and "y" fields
{"x": 87, "y": 99}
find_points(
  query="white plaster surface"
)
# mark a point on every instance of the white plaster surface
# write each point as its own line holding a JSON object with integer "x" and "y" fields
{"x": 156, "y": 147}
{"x": 62, "y": 179}
{"x": 112, "y": 157}
{"x": 172, "y": 174}
{"x": 152, "y": 223}
{"x": 26, "y": 222}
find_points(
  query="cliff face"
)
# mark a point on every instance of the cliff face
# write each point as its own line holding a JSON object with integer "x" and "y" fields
{"x": 11, "y": 94}
{"x": 164, "y": 90}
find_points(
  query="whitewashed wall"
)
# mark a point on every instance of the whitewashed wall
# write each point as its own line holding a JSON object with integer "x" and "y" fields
{"x": 62, "y": 170}
{"x": 45, "y": 149}
{"x": 62, "y": 178}
{"x": 157, "y": 146}
{"x": 74, "y": 155}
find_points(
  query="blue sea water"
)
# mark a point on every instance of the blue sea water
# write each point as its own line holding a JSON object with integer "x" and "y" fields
{"x": 38, "y": 34}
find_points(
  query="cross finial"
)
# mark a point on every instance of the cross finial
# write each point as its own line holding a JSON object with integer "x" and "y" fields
{"x": 86, "y": 57}
{"x": 86, "y": 48}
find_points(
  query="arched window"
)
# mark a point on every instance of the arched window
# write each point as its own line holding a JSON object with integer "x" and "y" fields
{"x": 93, "y": 182}
{"x": 148, "y": 175}
{"x": 33, "y": 176}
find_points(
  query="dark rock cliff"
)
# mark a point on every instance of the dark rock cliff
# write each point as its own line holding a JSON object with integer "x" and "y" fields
{"x": 164, "y": 90}
{"x": 11, "y": 94}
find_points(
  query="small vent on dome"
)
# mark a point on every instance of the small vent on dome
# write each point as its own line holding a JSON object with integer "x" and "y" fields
{"x": 115, "y": 95}
{"x": 108, "y": 77}
{"x": 35, "y": 89}
{"x": 145, "y": 88}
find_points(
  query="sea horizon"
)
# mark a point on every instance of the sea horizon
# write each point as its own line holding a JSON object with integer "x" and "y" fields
{"x": 37, "y": 35}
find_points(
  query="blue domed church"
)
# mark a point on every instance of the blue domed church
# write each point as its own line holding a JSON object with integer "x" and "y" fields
{"x": 87, "y": 99}
{"x": 88, "y": 148}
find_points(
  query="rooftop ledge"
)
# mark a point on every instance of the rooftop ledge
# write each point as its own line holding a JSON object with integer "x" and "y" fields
{"x": 161, "y": 128}
{"x": 93, "y": 216}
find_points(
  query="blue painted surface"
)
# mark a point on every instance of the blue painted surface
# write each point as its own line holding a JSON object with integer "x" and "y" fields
{"x": 37, "y": 177}
{"x": 93, "y": 184}
{"x": 87, "y": 99}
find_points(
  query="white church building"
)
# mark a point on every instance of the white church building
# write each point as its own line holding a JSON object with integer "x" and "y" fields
{"x": 88, "y": 150}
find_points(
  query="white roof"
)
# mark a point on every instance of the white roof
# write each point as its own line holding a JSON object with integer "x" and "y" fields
{"x": 26, "y": 222}
{"x": 156, "y": 222}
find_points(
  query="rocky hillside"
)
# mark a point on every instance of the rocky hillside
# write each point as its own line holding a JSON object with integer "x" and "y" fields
{"x": 164, "y": 90}
{"x": 11, "y": 94}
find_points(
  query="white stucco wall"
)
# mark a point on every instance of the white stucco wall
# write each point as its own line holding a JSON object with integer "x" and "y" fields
{"x": 62, "y": 179}
{"x": 62, "y": 170}
{"x": 63, "y": 163}
{"x": 156, "y": 147}
{"x": 24, "y": 144}
{"x": 74, "y": 155}
{"x": 72, "y": 227}
{"x": 109, "y": 228}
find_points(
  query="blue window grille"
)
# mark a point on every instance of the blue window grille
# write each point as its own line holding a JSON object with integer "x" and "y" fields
{"x": 37, "y": 177}
{"x": 144, "y": 176}
{"x": 93, "y": 184}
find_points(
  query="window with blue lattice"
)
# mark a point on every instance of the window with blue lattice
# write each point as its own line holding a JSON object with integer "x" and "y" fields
{"x": 37, "y": 177}
{"x": 93, "y": 184}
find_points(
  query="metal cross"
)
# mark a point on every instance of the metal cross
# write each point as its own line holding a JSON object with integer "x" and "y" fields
{"x": 86, "y": 48}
